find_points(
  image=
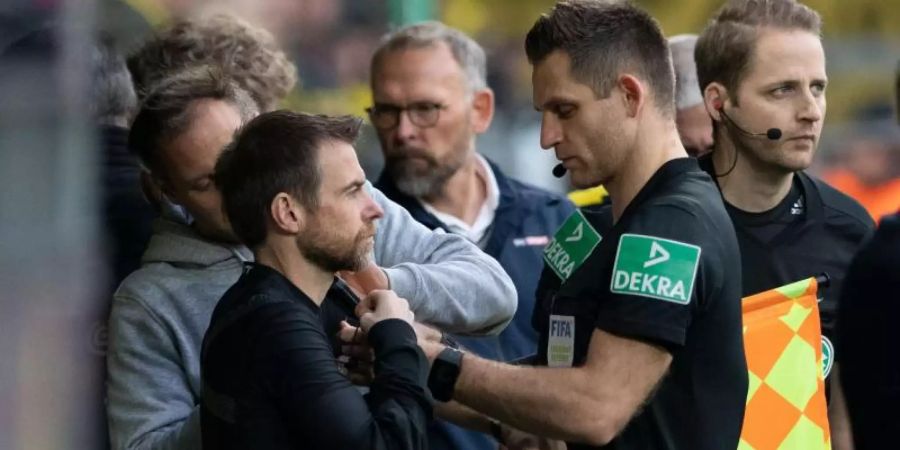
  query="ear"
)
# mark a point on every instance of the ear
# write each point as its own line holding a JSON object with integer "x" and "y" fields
{"x": 482, "y": 109}
{"x": 152, "y": 190}
{"x": 160, "y": 188}
{"x": 287, "y": 214}
{"x": 714, "y": 97}
{"x": 634, "y": 94}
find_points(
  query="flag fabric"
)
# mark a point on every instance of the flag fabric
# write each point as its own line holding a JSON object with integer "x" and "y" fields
{"x": 786, "y": 406}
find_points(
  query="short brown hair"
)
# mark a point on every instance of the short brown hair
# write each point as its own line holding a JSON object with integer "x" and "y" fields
{"x": 602, "y": 39}
{"x": 275, "y": 152}
{"x": 248, "y": 54}
{"x": 167, "y": 111}
{"x": 726, "y": 46}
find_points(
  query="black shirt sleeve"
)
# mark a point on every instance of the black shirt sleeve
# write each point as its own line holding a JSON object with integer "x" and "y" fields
{"x": 299, "y": 372}
{"x": 652, "y": 315}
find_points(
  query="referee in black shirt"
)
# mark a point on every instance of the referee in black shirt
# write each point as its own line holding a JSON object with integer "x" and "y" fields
{"x": 644, "y": 334}
{"x": 761, "y": 67}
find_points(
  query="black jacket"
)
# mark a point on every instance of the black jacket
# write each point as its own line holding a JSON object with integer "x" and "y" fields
{"x": 271, "y": 381}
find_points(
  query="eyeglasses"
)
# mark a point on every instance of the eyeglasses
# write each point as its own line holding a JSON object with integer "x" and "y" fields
{"x": 421, "y": 114}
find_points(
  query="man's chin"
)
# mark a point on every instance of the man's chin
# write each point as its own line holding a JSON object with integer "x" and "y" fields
{"x": 581, "y": 180}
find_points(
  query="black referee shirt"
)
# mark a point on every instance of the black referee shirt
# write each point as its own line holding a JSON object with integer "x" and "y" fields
{"x": 667, "y": 273}
{"x": 814, "y": 230}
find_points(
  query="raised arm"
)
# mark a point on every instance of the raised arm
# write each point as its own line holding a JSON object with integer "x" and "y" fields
{"x": 448, "y": 281}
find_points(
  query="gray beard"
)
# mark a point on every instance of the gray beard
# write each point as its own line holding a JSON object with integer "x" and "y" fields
{"x": 427, "y": 185}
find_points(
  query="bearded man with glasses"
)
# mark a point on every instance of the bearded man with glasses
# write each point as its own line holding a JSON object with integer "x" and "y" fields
{"x": 430, "y": 102}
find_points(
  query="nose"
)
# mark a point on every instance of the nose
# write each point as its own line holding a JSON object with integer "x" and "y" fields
{"x": 372, "y": 210}
{"x": 812, "y": 108}
{"x": 551, "y": 134}
{"x": 405, "y": 129}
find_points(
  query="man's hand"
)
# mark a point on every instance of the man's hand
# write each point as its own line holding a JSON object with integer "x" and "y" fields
{"x": 357, "y": 355}
{"x": 382, "y": 305}
{"x": 366, "y": 280}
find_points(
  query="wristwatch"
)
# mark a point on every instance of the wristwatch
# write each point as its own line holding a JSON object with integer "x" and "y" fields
{"x": 444, "y": 372}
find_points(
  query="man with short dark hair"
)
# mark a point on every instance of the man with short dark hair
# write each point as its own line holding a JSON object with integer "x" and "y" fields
{"x": 295, "y": 194}
{"x": 161, "y": 311}
{"x": 761, "y": 68}
{"x": 431, "y": 100}
{"x": 643, "y": 336}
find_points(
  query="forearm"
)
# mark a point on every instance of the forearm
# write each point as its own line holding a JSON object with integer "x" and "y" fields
{"x": 590, "y": 403}
{"x": 447, "y": 280}
{"x": 531, "y": 398}
{"x": 463, "y": 416}
{"x": 464, "y": 296}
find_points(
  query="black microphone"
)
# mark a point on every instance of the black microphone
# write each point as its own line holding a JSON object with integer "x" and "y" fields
{"x": 559, "y": 171}
{"x": 773, "y": 134}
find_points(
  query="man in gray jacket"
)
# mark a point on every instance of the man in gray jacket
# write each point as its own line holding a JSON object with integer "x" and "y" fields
{"x": 161, "y": 311}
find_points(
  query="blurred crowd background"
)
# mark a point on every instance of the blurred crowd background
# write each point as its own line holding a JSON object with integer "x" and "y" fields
{"x": 50, "y": 344}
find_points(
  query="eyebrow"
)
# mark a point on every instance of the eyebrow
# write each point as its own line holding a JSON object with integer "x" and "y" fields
{"x": 795, "y": 82}
{"x": 353, "y": 185}
{"x": 552, "y": 102}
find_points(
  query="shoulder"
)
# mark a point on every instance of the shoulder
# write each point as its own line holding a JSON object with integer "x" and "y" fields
{"x": 691, "y": 220}
{"x": 841, "y": 210}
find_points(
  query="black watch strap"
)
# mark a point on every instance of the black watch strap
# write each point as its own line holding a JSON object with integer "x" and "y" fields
{"x": 444, "y": 373}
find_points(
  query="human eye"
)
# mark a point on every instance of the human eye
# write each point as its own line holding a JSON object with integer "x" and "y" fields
{"x": 202, "y": 185}
{"x": 384, "y": 109}
{"x": 425, "y": 107}
{"x": 782, "y": 90}
{"x": 354, "y": 190}
{"x": 564, "y": 110}
{"x": 818, "y": 87}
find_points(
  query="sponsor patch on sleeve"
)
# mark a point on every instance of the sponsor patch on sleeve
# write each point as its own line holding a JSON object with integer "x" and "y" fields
{"x": 656, "y": 268}
{"x": 571, "y": 246}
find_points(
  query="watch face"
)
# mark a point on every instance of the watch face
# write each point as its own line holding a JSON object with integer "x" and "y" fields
{"x": 444, "y": 373}
{"x": 448, "y": 373}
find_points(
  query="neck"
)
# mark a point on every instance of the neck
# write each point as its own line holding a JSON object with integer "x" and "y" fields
{"x": 751, "y": 186}
{"x": 464, "y": 193}
{"x": 313, "y": 281}
{"x": 649, "y": 152}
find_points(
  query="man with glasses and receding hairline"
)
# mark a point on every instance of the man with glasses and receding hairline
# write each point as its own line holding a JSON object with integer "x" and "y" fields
{"x": 431, "y": 100}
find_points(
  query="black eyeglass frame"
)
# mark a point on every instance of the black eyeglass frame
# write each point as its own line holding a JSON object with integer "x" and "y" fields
{"x": 421, "y": 114}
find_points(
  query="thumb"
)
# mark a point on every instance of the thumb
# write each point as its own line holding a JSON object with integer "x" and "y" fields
{"x": 367, "y": 321}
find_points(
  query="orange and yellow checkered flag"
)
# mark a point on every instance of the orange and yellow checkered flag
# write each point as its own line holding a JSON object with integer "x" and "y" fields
{"x": 786, "y": 406}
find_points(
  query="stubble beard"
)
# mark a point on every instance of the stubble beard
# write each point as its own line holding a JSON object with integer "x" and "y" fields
{"x": 332, "y": 253}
